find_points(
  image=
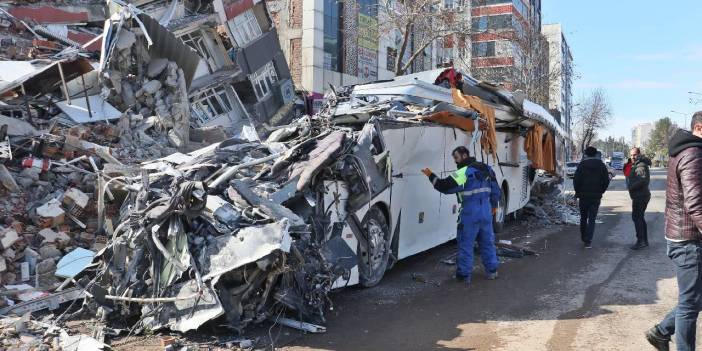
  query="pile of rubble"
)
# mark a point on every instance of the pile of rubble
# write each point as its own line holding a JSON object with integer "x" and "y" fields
{"x": 549, "y": 206}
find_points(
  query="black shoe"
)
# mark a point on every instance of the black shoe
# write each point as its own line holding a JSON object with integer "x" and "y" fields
{"x": 658, "y": 340}
{"x": 588, "y": 245}
{"x": 639, "y": 245}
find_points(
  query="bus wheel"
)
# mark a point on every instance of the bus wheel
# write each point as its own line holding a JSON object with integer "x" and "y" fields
{"x": 501, "y": 214}
{"x": 373, "y": 257}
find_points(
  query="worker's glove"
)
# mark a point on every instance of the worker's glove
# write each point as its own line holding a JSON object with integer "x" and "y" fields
{"x": 494, "y": 211}
{"x": 427, "y": 172}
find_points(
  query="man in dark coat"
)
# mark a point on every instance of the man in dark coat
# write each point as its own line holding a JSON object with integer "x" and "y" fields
{"x": 637, "y": 182}
{"x": 683, "y": 233}
{"x": 591, "y": 181}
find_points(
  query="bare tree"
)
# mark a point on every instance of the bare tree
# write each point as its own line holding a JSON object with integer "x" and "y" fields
{"x": 531, "y": 71}
{"x": 592, "y": 115}
{"x": 420, "y": 23}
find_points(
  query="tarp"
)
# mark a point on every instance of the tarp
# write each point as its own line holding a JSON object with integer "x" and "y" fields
{"x": 488, "y": 139}
{"x": 540, "y": 148}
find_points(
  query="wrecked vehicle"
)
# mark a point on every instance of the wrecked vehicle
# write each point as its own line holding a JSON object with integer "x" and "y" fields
{"x": 243, "y": 231}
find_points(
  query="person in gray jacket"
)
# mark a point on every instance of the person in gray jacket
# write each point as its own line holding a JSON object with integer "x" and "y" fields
{"x": 637, "y": 182}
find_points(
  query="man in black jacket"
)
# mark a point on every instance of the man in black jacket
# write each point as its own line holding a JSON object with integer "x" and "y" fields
{"x": 591, "y": 181}
{"x": 637, "y": 181}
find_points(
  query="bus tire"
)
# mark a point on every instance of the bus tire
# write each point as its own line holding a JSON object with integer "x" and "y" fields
{"x": 373, "y": 260}
{"x": 498, "y": 223}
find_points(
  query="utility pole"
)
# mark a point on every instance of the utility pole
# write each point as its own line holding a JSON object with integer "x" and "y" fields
{"x": 684, "y": 126}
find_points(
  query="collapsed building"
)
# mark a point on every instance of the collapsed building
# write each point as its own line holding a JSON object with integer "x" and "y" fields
{"x": 229, "y": 85}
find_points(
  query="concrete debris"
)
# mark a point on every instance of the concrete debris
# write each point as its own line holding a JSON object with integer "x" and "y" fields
{"x": 548, "y": 206}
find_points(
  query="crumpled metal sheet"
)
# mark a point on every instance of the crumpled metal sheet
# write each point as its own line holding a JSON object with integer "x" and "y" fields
{"x": 188, "y": 313}
{"x": 229, "y": 252}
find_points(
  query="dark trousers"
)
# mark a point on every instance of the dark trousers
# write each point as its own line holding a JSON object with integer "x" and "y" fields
{"x": 638, "y": 210}
{"x": 682, "y": 320}
{"x": 588, "y": 214}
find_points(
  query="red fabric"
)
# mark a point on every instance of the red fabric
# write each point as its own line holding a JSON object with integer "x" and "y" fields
{"x": 627, "y": 169}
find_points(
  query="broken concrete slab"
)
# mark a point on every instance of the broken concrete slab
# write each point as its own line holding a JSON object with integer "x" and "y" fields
{"x": 125, "y": 39}
{"x": 7, "y": 180}
{"x": 100, "y": 110}
{"x": 74, "y": 196}
{"x": 51, "y": 213}
{"x": 8, "y": 238}
{"x": 156, "y": 66}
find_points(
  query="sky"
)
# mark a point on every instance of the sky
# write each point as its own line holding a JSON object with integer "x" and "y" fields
{"x": 647, "y": 56}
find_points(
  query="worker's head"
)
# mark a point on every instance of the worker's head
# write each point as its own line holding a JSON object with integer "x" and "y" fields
{"x": 460, "y": 155}
{"x": 696, "y": 124}
{"x": 590, "y": 151}
{"x": 635, "y": 153}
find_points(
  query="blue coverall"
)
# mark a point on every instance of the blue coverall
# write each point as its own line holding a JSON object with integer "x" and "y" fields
{"x": 477, "y": 193}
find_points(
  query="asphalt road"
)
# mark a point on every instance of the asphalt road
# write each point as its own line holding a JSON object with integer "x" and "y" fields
{"x": 567, "y": 298}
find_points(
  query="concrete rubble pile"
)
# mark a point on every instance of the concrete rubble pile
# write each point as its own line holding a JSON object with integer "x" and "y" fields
{"x": 548, "y": 205}
{"x": 75, "y": 126}
{"x": 44, "y": 29}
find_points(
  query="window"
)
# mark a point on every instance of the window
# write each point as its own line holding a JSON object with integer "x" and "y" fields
{"x": 489, "y": 2}
{"x": 263, "y": 80}
{"x": 332, "y": 37}
{"x": 196, "y": 41}
{"x": 484, "y": 49}
{"x": 244, "y": 28}
{"x": 497, "y": 22}
{"x": 210, "y": 103}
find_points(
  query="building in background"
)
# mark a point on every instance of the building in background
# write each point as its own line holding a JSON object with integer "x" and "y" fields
{"x": 242, "y": 78}
{"x": 641, "y": 134}
{"x": 331, "y": 42}
{"x": 561, "y": 74}
{"x": 507, "y": 46}
{"x": 266, "y": 86}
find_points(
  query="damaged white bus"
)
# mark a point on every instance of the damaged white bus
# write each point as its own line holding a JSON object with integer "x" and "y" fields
{"x": 406, "y": 215}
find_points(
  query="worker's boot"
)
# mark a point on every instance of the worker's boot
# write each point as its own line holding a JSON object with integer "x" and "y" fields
{"x": 462, "y": 278}
{"x": 640, "y": 244}
{"x": 492, "y": 276}
{"x": 658, "y": 340}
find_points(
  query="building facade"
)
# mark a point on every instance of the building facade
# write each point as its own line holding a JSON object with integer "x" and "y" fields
{"x": 507, "y": 46}
{"x": 331, "y": 42}
{"x": 641, "y": 134}
{"x": 561, "y": 76}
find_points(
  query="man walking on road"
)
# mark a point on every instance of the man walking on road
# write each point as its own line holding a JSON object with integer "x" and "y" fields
{"x": 590, "y": 182}
{"x": 478, "y": 193}
{"x": 683, "y": 232}
{"x": 637, "y": 182}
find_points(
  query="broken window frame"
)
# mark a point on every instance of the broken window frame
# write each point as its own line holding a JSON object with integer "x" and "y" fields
{"x": 245, "y": 28}
{"x": 196, "y": 40}
{"x": 263, "y": 80}
{"x": 207, "y": 104}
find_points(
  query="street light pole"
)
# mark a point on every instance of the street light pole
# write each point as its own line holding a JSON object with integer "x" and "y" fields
{"x": 684, "y": 126}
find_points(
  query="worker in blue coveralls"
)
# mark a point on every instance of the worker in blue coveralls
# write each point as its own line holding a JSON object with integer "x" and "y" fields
{"x": 478, "y": 193}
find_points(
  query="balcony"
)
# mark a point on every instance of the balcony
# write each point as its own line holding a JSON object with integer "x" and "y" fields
{"x": 249, "y": 57}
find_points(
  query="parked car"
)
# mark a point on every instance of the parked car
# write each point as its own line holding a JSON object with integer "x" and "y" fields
{"x": 570, "y": 168}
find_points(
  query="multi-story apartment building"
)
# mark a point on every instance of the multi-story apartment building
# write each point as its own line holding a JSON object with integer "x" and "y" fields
{"x": 338, "y": 43}
{"x": 560, "y": 75}
{"x": 641, "y": 134}
{"x": 507, "y": 45}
